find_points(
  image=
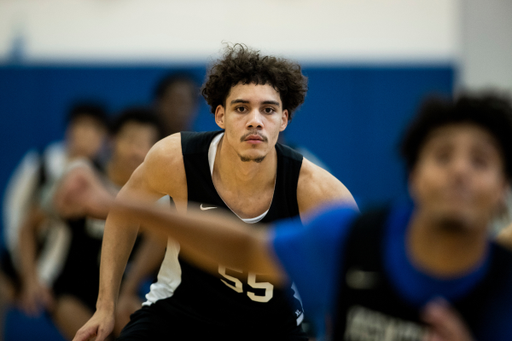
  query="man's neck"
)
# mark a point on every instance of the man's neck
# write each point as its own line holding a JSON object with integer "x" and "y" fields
{"x": 247, "y": 188}
{"x": 442, "y": 250}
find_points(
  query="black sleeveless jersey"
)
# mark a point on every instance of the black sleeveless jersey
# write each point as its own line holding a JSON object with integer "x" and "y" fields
{"x": 370, "y": 308}
{"x": 233, "y": 298}
{"x": 80, "y": 274}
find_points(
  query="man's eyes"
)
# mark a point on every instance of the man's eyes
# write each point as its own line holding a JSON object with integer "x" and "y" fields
{"x": 267, "y": 110}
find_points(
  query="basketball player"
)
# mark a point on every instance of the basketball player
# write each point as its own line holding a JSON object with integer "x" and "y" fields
{"x": 176, "y": 101}
{"x": 242, "y": 169}
{"x": 134, "y": 132}
{"x": 417, "y": 271}
{"x": 86, "y": 130}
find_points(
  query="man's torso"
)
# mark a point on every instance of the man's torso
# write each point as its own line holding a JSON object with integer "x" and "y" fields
{"x": 230, "y": 297}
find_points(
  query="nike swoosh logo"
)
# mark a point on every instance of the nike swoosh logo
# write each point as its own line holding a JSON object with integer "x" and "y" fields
{"x": 202, "y": 208}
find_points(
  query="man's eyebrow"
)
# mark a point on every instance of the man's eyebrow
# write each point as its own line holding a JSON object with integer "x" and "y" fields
{"x": 239, "y": 101}
{"x": 235, "y": 101}
{"x": 271, "y": 102}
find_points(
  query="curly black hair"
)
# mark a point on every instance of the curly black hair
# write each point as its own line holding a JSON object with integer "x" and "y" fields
{"x": 489, "y": 111}
{"x": 242, "y": 65}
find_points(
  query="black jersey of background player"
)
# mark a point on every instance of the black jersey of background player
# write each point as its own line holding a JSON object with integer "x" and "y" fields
{"x": 234, "y": 297}
{"x": 80, "y": 274}
{"x": 370, "y": 309}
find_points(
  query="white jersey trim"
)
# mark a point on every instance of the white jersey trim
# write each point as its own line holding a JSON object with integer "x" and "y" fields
{"x": 169, "y": 275}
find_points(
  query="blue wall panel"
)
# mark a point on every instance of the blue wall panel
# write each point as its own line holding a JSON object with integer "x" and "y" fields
{"x": 352, "y": 117}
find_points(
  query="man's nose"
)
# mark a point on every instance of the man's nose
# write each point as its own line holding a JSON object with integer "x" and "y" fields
{"x": 254, "y": 119}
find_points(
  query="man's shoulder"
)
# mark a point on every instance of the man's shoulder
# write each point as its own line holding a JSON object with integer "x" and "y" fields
{"x": 165, "y": 152}
{"x": 163, "y": 169}
{"x": 317, "y": 186}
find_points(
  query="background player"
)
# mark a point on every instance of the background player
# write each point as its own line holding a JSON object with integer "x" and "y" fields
{"x": 85, "y": 133}
{"x": 176, "y": 101}
{"x": 133, "y": 133}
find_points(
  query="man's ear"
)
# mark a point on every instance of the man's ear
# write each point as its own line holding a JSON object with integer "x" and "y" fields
{"x": 219, "y": 116}
{"x": 284, "y": 120}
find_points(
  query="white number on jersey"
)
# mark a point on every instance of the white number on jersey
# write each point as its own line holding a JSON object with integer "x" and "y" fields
{"x": 251, "y": 281}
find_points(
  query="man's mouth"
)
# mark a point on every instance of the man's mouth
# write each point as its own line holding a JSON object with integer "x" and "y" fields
{"x": 253, "y": 138}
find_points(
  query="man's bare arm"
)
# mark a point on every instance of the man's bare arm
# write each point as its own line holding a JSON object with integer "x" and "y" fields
{"x": 145, "y": 262}
{"x": 318, "y": 187}
{"x": 161, "y": 173}
{"x": 35, "y": 296}
{"x": 222, "y": 239}
{"x": 213, "y": 237}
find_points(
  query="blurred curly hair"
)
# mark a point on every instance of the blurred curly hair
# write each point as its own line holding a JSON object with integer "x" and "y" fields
{"x": 488, "y": 110}
{"x": 242, "y": 65}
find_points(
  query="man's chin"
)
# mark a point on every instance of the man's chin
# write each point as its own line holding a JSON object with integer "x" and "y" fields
{"x": 455, "y": 221}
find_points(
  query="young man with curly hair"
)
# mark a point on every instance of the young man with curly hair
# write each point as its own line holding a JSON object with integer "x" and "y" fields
{"x": 421, "y": 271}
{"x": 242, "y": 169}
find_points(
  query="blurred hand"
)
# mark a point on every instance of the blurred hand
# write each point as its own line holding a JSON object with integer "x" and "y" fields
{"x": 98, "y": 328}
{"x": 81, "y": 193}
{"x": 35, "y": 298}
{"x": 445, "y": 323}
{"x": 505, "y": 237}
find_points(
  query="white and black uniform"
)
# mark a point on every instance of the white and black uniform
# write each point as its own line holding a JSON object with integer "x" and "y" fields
{"x": 188, "y": 303}
{"x": 37, "y": 172}
{"x": 81, "y": 272}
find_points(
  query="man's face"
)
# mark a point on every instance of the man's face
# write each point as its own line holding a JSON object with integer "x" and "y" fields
{"x": 85, "y": 136}
{"x": 177, "y": 107}
{"x": 459, "y": 176}
{"x": 132, "y": 143}
{"x": 253, "y": 116}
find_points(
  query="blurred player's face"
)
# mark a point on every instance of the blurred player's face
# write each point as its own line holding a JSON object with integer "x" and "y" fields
{"x": 85, "y": 136}
{"x": 253, "y": 116}
{"x": 459, "y": 176}
{"x": 132, "y": 143}
{"x": 177, "y": 107}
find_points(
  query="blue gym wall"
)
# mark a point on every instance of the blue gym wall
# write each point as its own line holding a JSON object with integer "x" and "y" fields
{"x": 352, "y": 117}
